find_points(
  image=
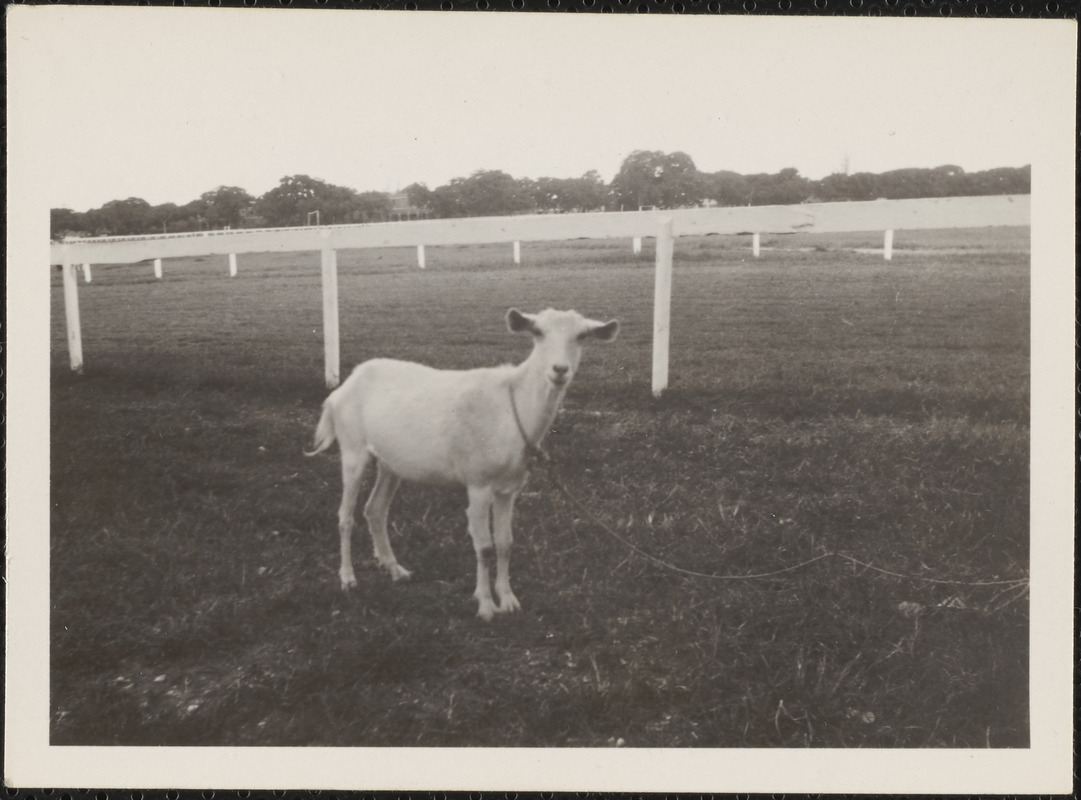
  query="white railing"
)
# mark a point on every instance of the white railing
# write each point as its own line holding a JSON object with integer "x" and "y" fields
{"x": 879, "y": 215}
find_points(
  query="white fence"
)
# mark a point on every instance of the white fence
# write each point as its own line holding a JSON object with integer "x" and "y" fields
{"x": 881, "y": 215}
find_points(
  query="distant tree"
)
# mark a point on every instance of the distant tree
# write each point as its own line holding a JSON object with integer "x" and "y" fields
{"x": 189, "y": 217}
{"x": 250, "y": 219}
{"x": 586, "y": 193}
{"x": 565, "y": 195}
{"x": 295, "y": 196}
{"x": 371, "y": 207}
{"x": 420, "y": 196}
{"x": 546, "y": 193}
{"x": 646, "y": 178}
{"x": 163, "y": 218}
{"x": 336, "y": 204}
{"x": 653, "y": 178}
{"x": 864, "y": 186}
{"x": 492, "y": 193}
{"x": 725, "y": 188}
{"x": 64, "y": 221}
{"x": 125, "y": 217}
{"x": 783, "y": 188}
{"x": 289, "y": 202}
{"x": 223, "y": 206}
{"x": 949, "y": 180}
{"x": 448, "y": 200}
{"x": 522, "y": 201}
{"x": 484, "y": 193}
{"x": 1015, "y": 180}
{"x": 921, "y": 182}
{"x": 637, "y": 182}
{"x": 590, "y": 191}
{"x": 836, "y": 187}
{"x": 1002, "y": 180}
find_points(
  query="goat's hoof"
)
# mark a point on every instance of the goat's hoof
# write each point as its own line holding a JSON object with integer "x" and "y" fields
{"x": 487, "y": 611}
{"x": 399, "y": 573}
{"x": 508, "y": 603}
{"x": 348, "y": 582}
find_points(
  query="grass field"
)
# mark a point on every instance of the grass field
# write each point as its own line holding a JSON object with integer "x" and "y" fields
{"x": 821, "y": 401}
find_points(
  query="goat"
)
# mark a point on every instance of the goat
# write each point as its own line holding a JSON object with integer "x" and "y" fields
{"x": 474, "y": 428}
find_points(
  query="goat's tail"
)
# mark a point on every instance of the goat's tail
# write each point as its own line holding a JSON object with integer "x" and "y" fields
{"x": 324, "y": 432}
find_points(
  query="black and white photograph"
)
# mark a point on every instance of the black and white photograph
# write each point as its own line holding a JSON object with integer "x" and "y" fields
{"x": 413, "y": 400}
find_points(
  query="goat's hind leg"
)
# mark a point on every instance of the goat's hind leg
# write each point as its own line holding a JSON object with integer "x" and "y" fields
{"x": 353, "y": 465}
{"x": 375, "y": 511}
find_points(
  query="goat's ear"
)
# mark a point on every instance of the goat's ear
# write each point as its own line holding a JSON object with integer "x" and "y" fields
{"x": 605, "y": 331}
{"x": 518, "y": 322}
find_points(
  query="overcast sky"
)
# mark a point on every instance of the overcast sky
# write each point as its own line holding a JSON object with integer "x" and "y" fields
{"x": 164, "y": 103}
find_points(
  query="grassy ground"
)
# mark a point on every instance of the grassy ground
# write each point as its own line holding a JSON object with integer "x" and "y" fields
{"x": 821, "y": 401}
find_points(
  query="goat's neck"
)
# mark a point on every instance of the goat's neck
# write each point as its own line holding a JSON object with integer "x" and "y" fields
{"x": 537, "y": 400}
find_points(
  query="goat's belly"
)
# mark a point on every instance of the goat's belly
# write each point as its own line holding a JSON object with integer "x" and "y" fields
{"x": 442, "y": 468}
{"x": 499, "y": 472}
{"x": 424, "y": 467}
{"x": 510, "y": 482}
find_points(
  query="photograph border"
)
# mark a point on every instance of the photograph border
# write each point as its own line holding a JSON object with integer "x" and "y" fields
{"x": 1045, "y": 767}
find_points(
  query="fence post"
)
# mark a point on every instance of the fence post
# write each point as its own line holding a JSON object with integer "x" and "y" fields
{"x": 71, "y": 314}
{"x": 420, "y": 256}
{"x": 232, "y": 265}
{"x": 887, "y": 245}
{"x": 157, "y": 268}
{"x": 662, "y": 306}
{"x": 756, "y": 244}
{"x": 636, "y": 245}
{"x": 517, "y": 252}
{"x": 86, "y": 273}
{"x": 330, "y": 311}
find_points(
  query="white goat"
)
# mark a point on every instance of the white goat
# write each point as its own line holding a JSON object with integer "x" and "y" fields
{"x": 472, "y": 427}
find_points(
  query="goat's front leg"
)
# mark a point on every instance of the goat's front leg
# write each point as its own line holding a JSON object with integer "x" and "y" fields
{"x": 480, "y": 529}
{"x": 502, "y": 510}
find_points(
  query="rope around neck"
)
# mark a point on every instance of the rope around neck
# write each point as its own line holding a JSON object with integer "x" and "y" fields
{"x": 532, "y": 450}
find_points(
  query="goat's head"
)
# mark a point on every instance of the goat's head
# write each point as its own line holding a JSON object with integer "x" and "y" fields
{"x": 558, "y": 338}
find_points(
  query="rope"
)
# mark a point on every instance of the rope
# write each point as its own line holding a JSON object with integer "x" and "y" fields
{"x": 1014, "y": 582}
{"x": 532, "y": 450}
{"x": 753, "y": 576}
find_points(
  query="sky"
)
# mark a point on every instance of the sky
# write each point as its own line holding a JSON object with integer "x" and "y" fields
{"x": 168, "y": 103}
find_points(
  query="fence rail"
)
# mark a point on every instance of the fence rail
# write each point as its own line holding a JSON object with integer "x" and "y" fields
{"x": 879, "y": 215}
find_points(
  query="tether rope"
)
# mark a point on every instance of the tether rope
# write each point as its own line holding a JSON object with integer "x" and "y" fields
{"x": 542, "y": 457}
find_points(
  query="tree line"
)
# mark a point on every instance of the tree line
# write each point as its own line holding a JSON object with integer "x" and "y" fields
{"x": 646, "y": 179}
